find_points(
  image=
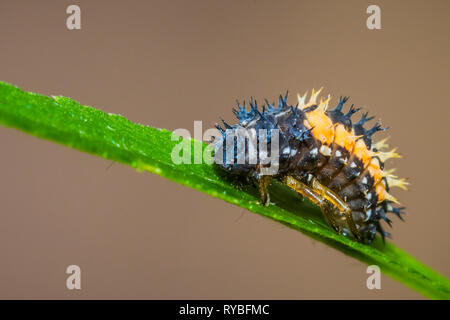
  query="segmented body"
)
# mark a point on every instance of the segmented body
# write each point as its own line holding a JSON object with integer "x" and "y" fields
{"x": 326, "y": 157}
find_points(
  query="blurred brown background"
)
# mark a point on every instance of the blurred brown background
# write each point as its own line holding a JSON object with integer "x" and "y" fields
{"x": 168, "y": 63}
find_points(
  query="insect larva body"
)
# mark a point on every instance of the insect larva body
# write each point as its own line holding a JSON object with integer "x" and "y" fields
{"x": 326, "y": 158}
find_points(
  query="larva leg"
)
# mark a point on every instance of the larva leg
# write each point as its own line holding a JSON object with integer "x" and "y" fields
{"x": 331, "y": 205}
{"x": 329, "y": 195}
{"x": 303, "y": 189}
{"x": 264, "y": 182}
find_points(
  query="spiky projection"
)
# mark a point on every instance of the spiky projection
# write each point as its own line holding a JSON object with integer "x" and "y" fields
{"x": 325, "y": 157}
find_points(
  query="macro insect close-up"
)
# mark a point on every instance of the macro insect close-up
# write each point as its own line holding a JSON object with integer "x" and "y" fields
{"x": 323, "y": 155}
{"x": 209, "y": 150}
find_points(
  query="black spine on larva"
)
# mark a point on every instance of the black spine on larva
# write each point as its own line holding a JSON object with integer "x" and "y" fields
{"x": 367, "y": 134}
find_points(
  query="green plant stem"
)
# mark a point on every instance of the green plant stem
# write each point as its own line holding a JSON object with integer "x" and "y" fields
{"x": 113, "y": 137}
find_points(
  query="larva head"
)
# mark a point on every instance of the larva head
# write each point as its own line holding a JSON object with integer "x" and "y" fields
{"x": 259, "y": 139}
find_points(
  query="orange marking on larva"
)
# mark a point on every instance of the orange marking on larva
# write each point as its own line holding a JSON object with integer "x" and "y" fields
{"x": 343, "y": 138}
{"x": 380, "y": 190}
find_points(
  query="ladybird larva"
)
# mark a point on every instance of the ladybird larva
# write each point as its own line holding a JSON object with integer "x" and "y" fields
{"x": 323, "y": 156}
